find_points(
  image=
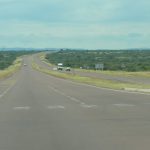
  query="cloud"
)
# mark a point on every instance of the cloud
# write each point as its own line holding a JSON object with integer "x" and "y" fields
{"x": 70, "y": 23}
{"x": 31, "y": 34}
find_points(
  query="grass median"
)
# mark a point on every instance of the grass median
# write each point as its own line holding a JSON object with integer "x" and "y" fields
{"x": 11, "y": 69}
{"x": 91, "y": 81}
{"x": 42, "y": 58}
{"x": 145, "y": 74}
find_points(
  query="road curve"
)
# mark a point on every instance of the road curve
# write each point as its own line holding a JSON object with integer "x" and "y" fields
{"x": 39, "y": 111}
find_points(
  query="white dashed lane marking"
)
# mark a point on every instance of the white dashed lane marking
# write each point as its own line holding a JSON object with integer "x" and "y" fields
{"x": 82, "y": 104}
{"x": 21, "y": 108}
{"x": 124, "y": 105}
{"x": 6, "y": 91}
{"x": 56, "y": 107}
{"x": 61, "y": 93}
{"x": 88, "y": 106}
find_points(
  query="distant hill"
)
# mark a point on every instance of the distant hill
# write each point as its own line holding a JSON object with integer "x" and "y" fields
{"x": 57, "y": 49}
{"x": 27, "y": 49}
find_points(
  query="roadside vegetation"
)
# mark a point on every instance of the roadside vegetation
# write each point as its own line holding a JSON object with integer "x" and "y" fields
{"x": 7, "y": 58}
{"x": 11, "y": 69}
{"x": 112, "y": 60}
{"x": 11, "y": 61}
{"x": 42, "y": 57}
{"x": 89, "y": 80}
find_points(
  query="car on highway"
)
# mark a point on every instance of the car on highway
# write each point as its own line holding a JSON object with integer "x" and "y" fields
{"x": 59, "y": 68}
{"x": 25, "y": 64}
{"x": 67, "y": 69}
{"x": 54, "y": 68}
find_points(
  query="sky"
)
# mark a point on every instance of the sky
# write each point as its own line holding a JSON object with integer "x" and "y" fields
{"x": 91, "y": 24}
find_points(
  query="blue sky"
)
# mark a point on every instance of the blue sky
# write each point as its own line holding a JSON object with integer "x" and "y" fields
{"x": 92, "y": 24}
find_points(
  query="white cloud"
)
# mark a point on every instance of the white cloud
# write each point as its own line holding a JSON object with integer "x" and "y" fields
{"x": 74, "y": 35}
{"x": 70, "y": 23}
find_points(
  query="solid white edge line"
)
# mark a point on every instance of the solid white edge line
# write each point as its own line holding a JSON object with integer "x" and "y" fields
{"x": 102, "y": 88}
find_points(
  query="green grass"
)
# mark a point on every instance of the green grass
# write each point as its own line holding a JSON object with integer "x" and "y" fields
{"x": 42, "y": 58}
{"x": 88, "y": 80}
{"x": 11, "y": 69}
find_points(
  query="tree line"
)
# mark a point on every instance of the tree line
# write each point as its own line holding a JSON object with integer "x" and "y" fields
{"x": 8, "y": 57}
{"x": 127, "y": 60}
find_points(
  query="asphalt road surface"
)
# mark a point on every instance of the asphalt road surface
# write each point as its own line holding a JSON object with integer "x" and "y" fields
{"x": 40, "y": 112}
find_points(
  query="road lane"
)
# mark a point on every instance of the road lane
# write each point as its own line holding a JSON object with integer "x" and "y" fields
{"x": 44, "y": 112}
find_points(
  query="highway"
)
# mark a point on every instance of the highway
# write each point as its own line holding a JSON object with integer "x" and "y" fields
{"x": 41, "y": 112}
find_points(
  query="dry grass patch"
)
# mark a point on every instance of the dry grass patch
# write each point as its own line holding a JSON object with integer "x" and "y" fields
{"x": 11, "y": 69}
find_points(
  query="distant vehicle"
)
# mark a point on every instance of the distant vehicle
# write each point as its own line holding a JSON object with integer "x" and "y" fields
{"x": 25, "y": 64}
{"x": 60, "y": 64}
{"x": 68, "y": 69}
{"x": 54, "y": 68}
{"x": 60, "y": 68}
